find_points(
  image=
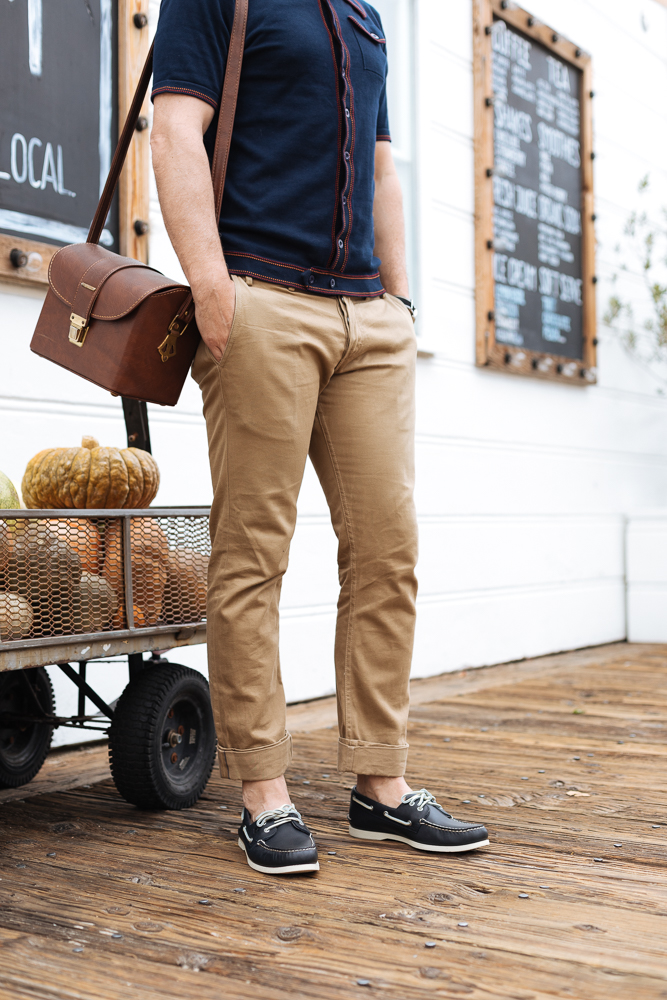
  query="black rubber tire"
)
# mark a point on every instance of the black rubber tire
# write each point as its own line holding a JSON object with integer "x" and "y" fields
{"x": 148, "y": 770}
{"x": 23, "y": 748}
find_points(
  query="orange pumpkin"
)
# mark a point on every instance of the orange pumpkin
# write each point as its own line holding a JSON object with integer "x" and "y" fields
{"x": 90, "y": 477}
{"x": 46, "y": 571}
{"x": 149, "y": 548}
{"x": 82, "y": 536}
{"x": 185, "y": 589}
{"x": 139, "y": 617}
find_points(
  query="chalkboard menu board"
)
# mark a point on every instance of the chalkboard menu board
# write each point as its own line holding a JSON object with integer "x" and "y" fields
{"x": 58, "y": 117}
{"x": 535, "y": 280}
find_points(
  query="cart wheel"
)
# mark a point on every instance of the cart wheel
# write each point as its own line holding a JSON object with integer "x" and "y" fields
{"x": 162, "y": 738}
{"x": 23, "y": 746}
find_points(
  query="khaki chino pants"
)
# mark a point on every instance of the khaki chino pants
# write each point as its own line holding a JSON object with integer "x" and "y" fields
{"x": 332, "y": 378}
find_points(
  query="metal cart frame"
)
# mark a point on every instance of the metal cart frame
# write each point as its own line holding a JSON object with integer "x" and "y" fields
{"x": 133, "y": 641}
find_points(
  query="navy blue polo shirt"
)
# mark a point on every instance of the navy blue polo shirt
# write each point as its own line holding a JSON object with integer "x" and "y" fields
{"x": 298, "y": 202}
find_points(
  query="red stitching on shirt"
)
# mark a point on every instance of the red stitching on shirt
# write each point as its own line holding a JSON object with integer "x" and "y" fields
{"x": 168, "y": 89}
{"x": 300, "y": 270}
{"x": 261, "y": 277}
{"x": 369, "y": 34}
{"x": 350, "y": 162}
{"x": 340, "y": 114}
{"x": 357, "y": 7}
{"x": 348, "y": 277}
{"x": 353, "y": 139}
{"x": 344, "y": 164}
{"x": 383, "y": 138}
{"x": 265, "y": 260}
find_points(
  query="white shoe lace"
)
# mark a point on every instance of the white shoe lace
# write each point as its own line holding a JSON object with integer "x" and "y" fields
{"x": 284, "y": 814}
{"x": 420, "y": 799}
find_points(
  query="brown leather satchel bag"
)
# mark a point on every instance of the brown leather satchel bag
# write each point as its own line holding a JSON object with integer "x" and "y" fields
{"x": 112, "y": 319}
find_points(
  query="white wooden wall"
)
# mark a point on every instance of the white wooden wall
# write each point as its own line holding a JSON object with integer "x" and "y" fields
{"x": 522, "y": 485}
{"x": 646, "y": 571}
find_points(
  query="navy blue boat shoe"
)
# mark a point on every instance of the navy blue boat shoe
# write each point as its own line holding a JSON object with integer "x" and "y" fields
{"x": 278, "y": 842}
{"x": 418, "y": 821}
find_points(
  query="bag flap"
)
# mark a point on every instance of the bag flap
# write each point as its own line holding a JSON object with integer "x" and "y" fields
{"x": 119, "y": 293}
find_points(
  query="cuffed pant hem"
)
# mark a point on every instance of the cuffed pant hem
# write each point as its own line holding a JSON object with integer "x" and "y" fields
{"x": 372, "y": 758}
{"x": 258, "y": 764}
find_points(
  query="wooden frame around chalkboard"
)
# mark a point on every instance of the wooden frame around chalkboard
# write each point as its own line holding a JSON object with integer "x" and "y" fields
{"x": 490, "y": 354}
{"x": 133, "y": 43}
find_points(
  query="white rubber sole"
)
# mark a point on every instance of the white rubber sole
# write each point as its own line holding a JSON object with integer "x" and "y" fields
{"x": 285, "y": 870}
{"x": 370, "y": 835}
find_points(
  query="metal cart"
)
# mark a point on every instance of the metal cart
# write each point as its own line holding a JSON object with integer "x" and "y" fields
{"x": 82, "y": 586}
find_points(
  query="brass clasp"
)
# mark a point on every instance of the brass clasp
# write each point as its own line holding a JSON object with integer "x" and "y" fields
{"x": 167, "y": 348}
{"x": 77, "y": 330}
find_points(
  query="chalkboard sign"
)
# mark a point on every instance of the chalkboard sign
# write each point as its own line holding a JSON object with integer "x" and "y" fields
{"x": 535, "y": 243}
{"x": 68, "y": 69}
{"x": 58, "y": 117}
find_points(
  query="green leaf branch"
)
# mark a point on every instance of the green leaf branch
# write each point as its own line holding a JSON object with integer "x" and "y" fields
{"x": 645, "y": 246}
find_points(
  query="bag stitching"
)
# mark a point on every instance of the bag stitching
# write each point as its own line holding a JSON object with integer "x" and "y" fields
{"x": 100, "y": 282}
{"x": 144, "y": 295}
{"x": 141, "y": 298}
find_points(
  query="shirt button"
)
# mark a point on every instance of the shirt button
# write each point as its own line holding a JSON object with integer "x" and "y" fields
{"x": 344, "y": 200}
{"x": 347, "y": 112}
{"x": 347, "y": 156}
{"x": 311, "y": 279}
{"x": 374, "y": 36}
{"x": 340, "y": 244}
{"x": 332, "y": 283}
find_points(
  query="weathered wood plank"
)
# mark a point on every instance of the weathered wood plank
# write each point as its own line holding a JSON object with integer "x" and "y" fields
{"x": 65, "y": 769}
{"x": 587, "y": 928}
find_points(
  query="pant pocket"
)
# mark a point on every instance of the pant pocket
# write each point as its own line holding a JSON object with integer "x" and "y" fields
{"x": 203, "y": 357}
{"x": 241, "y": 289}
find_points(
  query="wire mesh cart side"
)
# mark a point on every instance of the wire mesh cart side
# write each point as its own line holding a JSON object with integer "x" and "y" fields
{"x": 95, "y": 586}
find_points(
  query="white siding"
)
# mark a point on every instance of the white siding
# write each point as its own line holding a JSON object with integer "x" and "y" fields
{"x": 646, "y": 562}
{"x": 522, "y": 485}
{"x": 527, "y": 482}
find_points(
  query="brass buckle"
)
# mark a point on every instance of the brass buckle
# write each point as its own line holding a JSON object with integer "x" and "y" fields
{"x": 77, "y": 330}
{"x": 167, "y": 348}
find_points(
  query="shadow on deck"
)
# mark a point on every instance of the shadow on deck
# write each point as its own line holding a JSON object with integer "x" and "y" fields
{"x": 563, "y": 758}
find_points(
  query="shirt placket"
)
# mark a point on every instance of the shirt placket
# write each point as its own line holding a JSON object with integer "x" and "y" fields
{"x": 344, "y": 195}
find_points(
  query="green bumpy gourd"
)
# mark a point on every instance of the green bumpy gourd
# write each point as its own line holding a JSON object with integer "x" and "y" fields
{"x": 9, "y": 498}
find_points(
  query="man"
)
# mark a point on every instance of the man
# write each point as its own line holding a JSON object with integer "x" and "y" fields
{"x": 307, "y": 349}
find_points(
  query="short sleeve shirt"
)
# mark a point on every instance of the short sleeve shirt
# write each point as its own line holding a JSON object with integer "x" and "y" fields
{"x": 298, "y": 202}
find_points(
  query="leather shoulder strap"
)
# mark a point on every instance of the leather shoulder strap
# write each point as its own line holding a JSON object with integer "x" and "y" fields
{"x": 230, "y": 93}
{"x": 97, "y": 225}
{"x": 223, "y": 137}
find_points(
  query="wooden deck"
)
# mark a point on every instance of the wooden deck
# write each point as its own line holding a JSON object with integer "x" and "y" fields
{"x": 563, "y": 758}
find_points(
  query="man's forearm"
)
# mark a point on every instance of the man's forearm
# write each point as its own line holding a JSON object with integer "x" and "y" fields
{"x": 389, "y": 223}
{"x": 184, "y": 185}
